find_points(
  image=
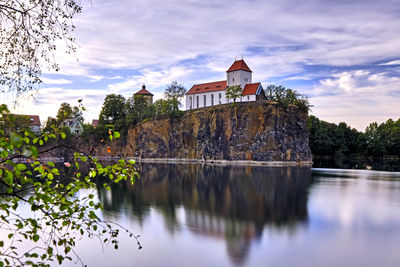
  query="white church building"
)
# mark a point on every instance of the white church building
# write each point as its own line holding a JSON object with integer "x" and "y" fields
{"x": 213, "y": 93}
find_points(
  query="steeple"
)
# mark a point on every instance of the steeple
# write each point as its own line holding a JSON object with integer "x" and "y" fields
{"x": 239, "y": 74}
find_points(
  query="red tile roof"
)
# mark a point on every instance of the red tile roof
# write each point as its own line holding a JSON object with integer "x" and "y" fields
{"x": 207, "y": 87}
{"x": 143, "y": 92}
{"x": 250, "y": 89}
{"x": 239, "y": 65}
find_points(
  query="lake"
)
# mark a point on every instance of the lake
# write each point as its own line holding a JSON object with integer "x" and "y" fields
{"x": 203, "y": 215}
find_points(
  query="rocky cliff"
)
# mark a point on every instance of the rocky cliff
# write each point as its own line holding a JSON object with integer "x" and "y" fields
{"x": 258, "y": 131}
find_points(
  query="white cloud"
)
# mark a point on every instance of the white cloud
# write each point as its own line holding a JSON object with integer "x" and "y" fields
{"x": 50, "y": 99}
{"x": 394, "y": 62}
{"x": 55, "y": 81}
{"x": 152, "y": 79}
{"x": 149, "y": 41}
{"x": 358, "y": 98}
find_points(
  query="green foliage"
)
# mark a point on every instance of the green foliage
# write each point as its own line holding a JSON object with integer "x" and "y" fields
{"x": 286, "y": 96}
{"x": 163, "y": 107}
{"x": 136, "y": 109}
{"x": 173, "y": 94}
{"x": 383, "y": 139}
{"x": 28, "y": 36}
{"x": 113, "y": 111}
{"x": 328, "y": 139}
{"x": 378, "y": 141}
{"x": 67, "y": 112}
{"x": 56, "y": 216}
{"x": 233, "y": 92}
{"x": 12, "y": 123}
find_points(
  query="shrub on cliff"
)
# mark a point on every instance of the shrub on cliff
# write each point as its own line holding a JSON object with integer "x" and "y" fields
{"x": 286, "y": 96}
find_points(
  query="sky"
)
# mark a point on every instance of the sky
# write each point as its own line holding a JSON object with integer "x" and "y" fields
{"x": 343, "y": 54}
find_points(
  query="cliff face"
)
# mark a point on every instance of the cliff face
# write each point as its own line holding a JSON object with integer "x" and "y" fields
{"x": 247, "y": 131}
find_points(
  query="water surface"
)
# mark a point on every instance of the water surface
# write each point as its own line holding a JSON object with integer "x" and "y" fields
{"x": 201, "y": 215}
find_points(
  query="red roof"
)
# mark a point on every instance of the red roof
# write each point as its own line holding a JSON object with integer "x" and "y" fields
{"x": 250, "y": 89}
{"x": 143, "y": 92}
{"x": 207, "y": 87}
{"x": 239, "y": 65}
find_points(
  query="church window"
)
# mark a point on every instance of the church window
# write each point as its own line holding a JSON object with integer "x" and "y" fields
{"x": 190, "y": 100}
{"x": 220, "y": 95}
{"x": 233, "y": 79}
{"x": 205, "y": 98}
{"x": 212, "y": 99}
{"x": 197, "y": 101}
{"x": 248, "y": 97}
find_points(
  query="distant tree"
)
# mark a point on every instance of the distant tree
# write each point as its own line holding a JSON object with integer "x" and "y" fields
{"x": 163, "y": 107}
{"x": 329, "y": 139}
{"x": 383, "y": 139}
{"x": 66, "y": 111}
{"x": 233, "y": 92}
{"x": 113, "y": 111}
{"x": 135, "y": 109}
{"x": 49, "y": 124}
{"x": 174, "y": 93}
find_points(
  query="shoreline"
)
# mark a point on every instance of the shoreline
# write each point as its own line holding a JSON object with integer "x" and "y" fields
{"x": 225, "y": 162}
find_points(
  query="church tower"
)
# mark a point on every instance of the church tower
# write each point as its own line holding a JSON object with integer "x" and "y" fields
{"x": 239, "y": 74}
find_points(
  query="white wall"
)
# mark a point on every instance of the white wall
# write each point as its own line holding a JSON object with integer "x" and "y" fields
{"x": 217, "y": 100}
{"x": 238, "y": 77}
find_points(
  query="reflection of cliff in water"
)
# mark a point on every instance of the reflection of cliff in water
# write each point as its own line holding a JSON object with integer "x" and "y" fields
{"x": 232, "y": 203}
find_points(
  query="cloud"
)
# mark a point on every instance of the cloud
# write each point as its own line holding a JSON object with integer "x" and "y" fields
{"x": 340, "y": 48}
{"x": 393, "y": 62}
{"x": 357, "y": 97}
{"x": 152, "y": 79}
{"x": 55, "y": 81}
{"x": 50, "y": 99}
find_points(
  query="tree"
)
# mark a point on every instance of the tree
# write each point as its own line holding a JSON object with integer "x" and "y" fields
{"x": 174, "y": 93}
{"x": 113, "y": 111}
{"x": 55, "y": 216}
{"x": 135, "y": 109}
{"x": 286, "y": 96}
{"x": 67, "y": 112}
{"x": 50, "y": 124}
{"x": 15, "y": 123}
{"x": 233, "y": 92}
{"x": 28, "y": 35}
{"x": 163, "y": 107}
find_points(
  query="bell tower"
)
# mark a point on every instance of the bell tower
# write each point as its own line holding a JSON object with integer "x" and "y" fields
{"x": 239, "y": 74}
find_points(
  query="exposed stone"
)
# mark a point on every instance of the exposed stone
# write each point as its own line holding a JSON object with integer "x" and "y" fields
{"x": 258, "y": 131}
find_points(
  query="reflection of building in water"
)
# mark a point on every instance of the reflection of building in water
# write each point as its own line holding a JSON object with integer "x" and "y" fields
{"x": 238, "y": 234}
{"x": 230, "y": 203}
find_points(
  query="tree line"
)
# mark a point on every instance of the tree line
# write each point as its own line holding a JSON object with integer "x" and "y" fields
{"x": 340, "y": 140}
